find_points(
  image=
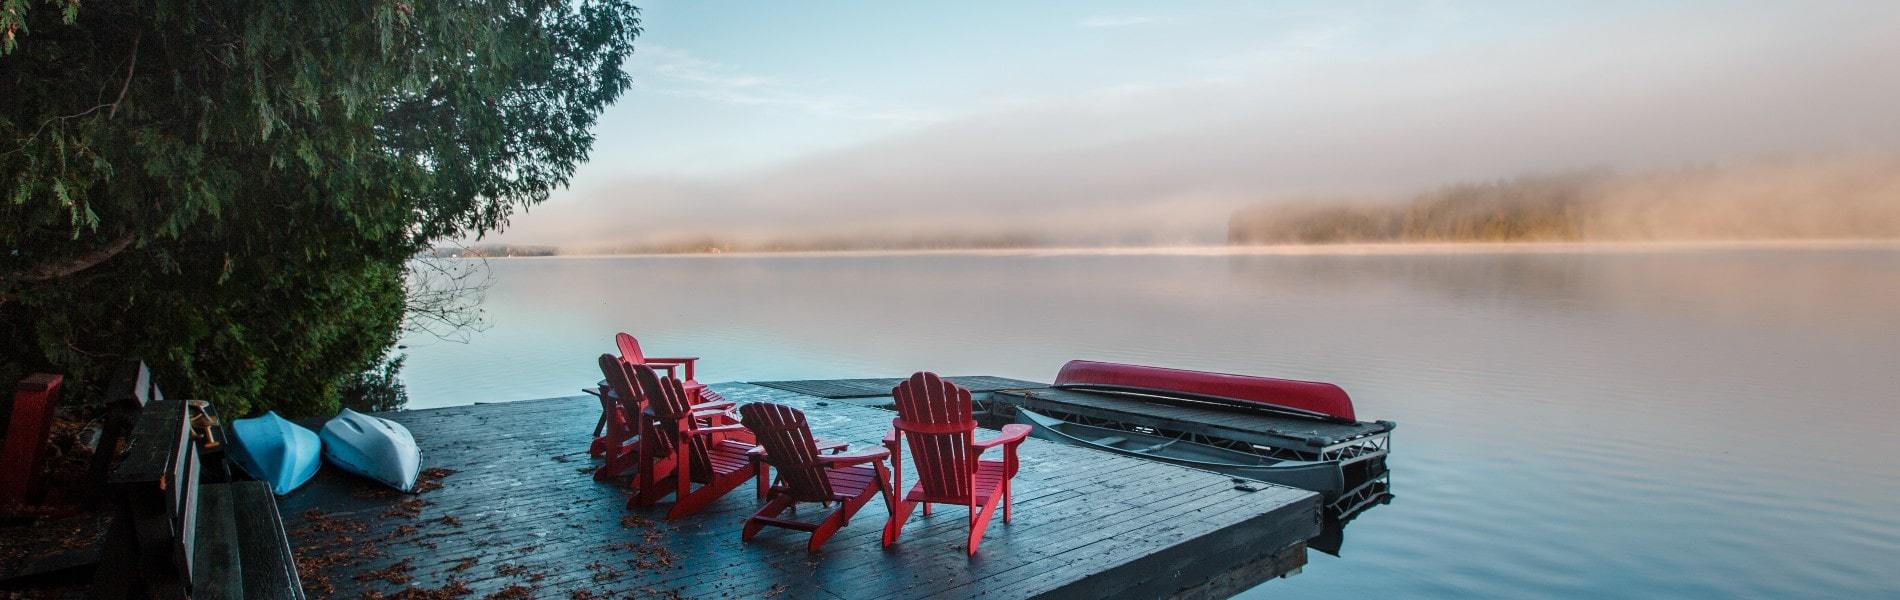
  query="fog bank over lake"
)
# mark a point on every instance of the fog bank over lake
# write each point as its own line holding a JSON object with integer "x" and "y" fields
{"x": 1349, "y": 103}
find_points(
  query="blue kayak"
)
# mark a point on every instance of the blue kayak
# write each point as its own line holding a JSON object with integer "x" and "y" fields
{"x": 276, "y": 451}
{"x": 373, "y": 447}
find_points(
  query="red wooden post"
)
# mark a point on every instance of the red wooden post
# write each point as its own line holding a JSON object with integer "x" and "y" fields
{"x": 33, "y": 402}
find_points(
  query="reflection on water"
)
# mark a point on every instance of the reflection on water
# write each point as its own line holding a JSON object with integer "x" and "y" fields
{"x": 1679, "y": 422}
{"x": 1332, "y": 535}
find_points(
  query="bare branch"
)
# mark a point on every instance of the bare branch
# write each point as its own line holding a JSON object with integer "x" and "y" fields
{"x": 128, "y": 77}
{"x": 444, "y": 296}
{"x": 114, "y": 104}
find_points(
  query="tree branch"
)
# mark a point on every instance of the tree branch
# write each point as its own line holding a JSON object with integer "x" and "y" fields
{"x": 55, "y": 269}
{"x": 130, "y": 64}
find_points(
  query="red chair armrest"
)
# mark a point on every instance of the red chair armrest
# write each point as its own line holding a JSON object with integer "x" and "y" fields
{"x": 718, "y": 429}
{"x": 670, "y": 361}
{"x": 716, "y": 404}
{"x": 890, "y": 437}
{"x": 1013, "y": 434}
{"x": 840, "y": 460}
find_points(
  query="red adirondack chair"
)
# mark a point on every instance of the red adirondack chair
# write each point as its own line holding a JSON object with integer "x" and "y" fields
{"x": 677, "y": 450}
{"x": 607, "y": 432}
{"x": 32, "y": 419}
{"x": 622, "y": 411}
{"x": 935, "y": 416}
{"x": 805, "y": 475}
{"x": 630, "y": 352}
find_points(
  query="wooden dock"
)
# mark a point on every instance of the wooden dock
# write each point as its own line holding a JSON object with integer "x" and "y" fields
{"x": 516, "y": 512}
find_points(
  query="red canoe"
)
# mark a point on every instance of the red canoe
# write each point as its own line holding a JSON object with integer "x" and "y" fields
{"x": 1310, "y": 398}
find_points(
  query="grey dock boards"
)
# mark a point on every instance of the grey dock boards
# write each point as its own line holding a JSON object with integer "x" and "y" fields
{"x": 834, "y": 389}
{"x": 524, "y": 514}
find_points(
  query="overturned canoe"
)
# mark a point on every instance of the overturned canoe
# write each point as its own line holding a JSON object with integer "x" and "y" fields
{"x": 1324, "y": 477}
{"x": 276, "y": 451}
{"x": 373, "y": 447}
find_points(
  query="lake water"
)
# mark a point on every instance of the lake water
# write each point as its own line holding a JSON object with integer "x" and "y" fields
{"x": 1683, "y": 421}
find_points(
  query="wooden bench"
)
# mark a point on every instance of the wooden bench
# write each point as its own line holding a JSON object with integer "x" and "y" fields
{"x": 176, "y": 534}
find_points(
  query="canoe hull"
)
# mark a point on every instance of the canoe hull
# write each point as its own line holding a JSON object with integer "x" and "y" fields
{"x": 1325, "y": 477}
{"x": 276, "y": 451}
{"x": 372, "y": 447}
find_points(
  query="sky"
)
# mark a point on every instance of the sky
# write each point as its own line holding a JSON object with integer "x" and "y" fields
{"x": 1148, "y": 123}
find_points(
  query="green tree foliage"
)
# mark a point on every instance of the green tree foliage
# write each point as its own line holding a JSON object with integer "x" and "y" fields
{"x": 1531, "y": 208}
{"x": 229, "y": 189}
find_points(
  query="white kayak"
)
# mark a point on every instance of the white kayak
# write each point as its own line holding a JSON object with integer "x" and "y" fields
{"x": 276, "y": 451}
{"x": 373, "y": 447}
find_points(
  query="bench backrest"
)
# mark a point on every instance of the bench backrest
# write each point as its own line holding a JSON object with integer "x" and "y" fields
{"x": 157, "y": 485}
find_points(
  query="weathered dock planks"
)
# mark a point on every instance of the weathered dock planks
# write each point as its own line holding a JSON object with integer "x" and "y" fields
{"x": 518, "y": 513}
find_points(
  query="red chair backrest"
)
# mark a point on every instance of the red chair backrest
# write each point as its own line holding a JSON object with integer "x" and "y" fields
{"x": 667, "y": 399}
{"x": 789, "y": 447}
{"x": 935, "y": 415}
{"x": 629, "y": 348}
{"x": 620, "y": 385}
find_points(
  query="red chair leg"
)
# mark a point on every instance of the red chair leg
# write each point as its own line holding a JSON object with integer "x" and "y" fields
{"x": 617, "y": 464}
{"x": 764, "y": 483}
{"x": 771, "y": 509}
{"x": 894, "y": 527}
{"x": 690, "y": 501}
{"x": 826, "y": 528}
{"x": 1005, "y": 500}
{"x": 651, "y": 482}
{"x": 980, "y": 522}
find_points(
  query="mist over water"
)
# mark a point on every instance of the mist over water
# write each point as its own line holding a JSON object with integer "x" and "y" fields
{"x": 1666, "y": 420}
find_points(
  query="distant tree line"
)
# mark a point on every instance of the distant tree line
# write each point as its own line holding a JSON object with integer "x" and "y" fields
{"x": 1840, "y": 197}
{"x": 492, "y": 251}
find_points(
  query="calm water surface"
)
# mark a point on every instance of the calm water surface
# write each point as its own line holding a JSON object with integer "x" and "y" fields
{"x": 1580, "y": 423}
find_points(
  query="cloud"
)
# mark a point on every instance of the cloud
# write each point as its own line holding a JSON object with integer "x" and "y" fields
{"x": 675, "y": 72}
{"x": 1114, "y": 21}
{"x": 1148, "y": 162}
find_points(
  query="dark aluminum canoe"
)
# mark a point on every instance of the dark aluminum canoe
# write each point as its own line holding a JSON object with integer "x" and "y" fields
{"x": 1324, "y": 477}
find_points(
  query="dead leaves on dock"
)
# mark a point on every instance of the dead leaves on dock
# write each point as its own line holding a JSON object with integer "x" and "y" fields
{"x": 333, "y": 544}
{"x": 327, "y": 543}
{"x": 431, "y": 479}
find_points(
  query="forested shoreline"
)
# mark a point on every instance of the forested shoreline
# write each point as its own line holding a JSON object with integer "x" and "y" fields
{"x": 1832, "y": 198}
